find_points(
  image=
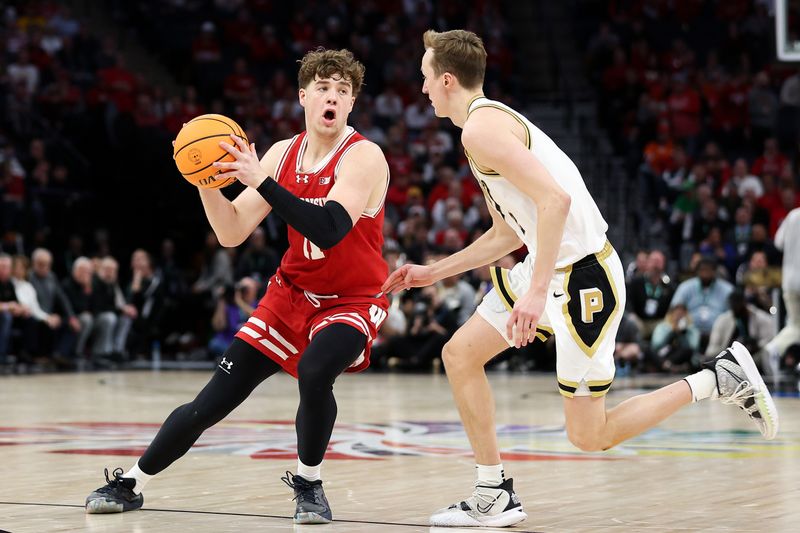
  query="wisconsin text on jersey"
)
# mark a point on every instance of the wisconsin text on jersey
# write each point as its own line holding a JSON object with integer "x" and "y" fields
{"x": 315, "y": 201}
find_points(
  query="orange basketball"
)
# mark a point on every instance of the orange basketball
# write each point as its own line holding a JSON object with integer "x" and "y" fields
{"x": 197, "y": 148}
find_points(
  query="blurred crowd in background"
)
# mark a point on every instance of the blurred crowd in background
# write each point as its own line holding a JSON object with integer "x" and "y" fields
{"x": 107, "y": 254}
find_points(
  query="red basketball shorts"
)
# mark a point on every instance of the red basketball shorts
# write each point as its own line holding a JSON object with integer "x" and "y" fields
{"x": 287, "y": 318}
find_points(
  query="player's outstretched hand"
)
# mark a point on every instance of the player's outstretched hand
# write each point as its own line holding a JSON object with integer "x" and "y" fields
{"x": 408, "y": 276}
{"x": 246, "y": 168}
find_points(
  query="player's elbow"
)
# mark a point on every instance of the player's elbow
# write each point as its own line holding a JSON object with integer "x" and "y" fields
{"x": 230, "y": 240}
{"x": 561, "y": 201}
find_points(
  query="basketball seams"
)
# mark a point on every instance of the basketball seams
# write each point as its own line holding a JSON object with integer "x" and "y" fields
{"x": 206, "y": 145}
{"x": 239, "y": 134}
{"x": 220, "y": 158}
{"x": 204, "y": 138}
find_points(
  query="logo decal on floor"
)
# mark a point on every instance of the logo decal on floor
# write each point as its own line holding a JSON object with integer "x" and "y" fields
{"x": 275, "y": 439}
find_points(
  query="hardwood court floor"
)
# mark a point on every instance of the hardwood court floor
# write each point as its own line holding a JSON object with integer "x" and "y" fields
{"x": 398, "y": 453}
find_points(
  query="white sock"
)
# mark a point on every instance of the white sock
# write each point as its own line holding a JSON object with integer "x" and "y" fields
{"x": 490, "y": 474}
{"x": 311, "y": 473}
{"x": 703, "y": 385}
{"x": 140, "y": 477}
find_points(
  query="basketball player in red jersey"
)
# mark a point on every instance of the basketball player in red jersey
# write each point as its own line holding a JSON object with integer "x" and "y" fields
{"x": 323, "y": 306}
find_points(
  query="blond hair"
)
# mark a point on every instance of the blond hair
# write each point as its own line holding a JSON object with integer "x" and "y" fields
{"x": 324, "y": 63}
{"x": 459, "y": 52}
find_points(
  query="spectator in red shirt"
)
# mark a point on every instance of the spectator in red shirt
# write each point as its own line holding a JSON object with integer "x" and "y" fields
{"x": 771, "y": 161}
{"x": 678, "y": 58}
{"x": 684, "y": 110}
{"x": 400, "y": 163}
{"x": 205, "y": 48}
{"x": 266, "y": 48}
{"x": 614, "y": 75}
{"x": 732, "y": 116}
{"x": 146, "y": 116}
{"x": 120, "y": 85}
{"x": 397, "y": 194}
{"x": 445, "y": 175}
{"x": 302, "y": 32}
{"x": 240, "y": 85}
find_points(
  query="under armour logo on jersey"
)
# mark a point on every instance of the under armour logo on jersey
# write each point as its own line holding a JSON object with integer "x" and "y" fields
{"x": 226, "y": 365}
{"x": 301, "y": 179}
{"x": 324, "y": 181}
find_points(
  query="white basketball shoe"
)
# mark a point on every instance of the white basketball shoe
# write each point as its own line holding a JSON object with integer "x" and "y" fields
{"x": 739, "y": 383}
{"x": 488, "y": 506}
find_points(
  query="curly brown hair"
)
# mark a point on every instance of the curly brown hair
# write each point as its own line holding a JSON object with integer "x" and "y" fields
{"x": 460, "y": 53}
{"x": 324, "y": 63}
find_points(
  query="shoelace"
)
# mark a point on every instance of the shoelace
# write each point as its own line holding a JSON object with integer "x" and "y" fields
{"x": 112, "y": 483}
{"x": 477, "y": 495}
{"x": 303, "y": 488}
{"x": 743, "y": 392}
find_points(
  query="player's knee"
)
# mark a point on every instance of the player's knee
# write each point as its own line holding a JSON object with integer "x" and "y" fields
{"x": 450, "y": 357}
{"x": 312, "y": 377}
{"x": 587, "y": 441}
{"x": 458, "y": 358}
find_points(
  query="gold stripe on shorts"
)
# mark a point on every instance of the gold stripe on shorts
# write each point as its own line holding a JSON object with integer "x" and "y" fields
{"x": 567, "y": 388}
{"x": 503, "y": 287}
{"x": 544, "y": 332}
{"x": 599, "y": 388}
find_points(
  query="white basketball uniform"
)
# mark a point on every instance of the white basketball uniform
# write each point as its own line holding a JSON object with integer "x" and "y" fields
{"x": 586, "y": 296}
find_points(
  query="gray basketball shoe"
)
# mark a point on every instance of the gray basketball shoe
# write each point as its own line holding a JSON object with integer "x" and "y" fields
{"x": 116, "y": 496}
{"x": 312, "y": 505}
{"x": 739, "y": 383}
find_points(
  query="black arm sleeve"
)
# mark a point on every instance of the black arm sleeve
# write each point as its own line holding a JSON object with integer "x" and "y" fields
{"x": 324, "y": 226}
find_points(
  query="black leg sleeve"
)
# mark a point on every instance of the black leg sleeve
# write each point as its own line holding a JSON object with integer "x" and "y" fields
{"x": 330, "y": 353}
{"x": 243, "y": 368}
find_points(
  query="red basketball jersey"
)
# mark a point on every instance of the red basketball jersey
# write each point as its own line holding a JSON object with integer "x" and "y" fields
{"x": 355, "y": 266}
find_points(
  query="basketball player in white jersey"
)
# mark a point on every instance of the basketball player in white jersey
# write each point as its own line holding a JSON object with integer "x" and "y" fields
{"x": 571, "y": 285}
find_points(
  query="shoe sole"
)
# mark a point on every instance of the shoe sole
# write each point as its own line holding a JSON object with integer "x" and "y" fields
{"x": 766, "y": 405}
{"x": 462, "y": 519}
{"x": 103, "y": 506}
{"x": 311, "y": 518}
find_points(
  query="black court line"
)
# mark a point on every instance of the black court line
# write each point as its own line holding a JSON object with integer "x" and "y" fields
{"x": 250, "y": 515}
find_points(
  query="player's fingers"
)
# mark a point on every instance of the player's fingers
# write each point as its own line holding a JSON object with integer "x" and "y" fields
{"x": 225, "y": 175}
{"x": 396, "y": 281}
{"x": 510, "y": 326}
{"x": 390, "y": 282}
{"x": 388, "y": 286}
{"x": 526, "y": 331}
{"x": 253, "y": 149}
{"x": 240, "y": 143}
{"x": 228, "y": 147}
{"x": 397, "y": 288}
{"x": 226, "y": 166}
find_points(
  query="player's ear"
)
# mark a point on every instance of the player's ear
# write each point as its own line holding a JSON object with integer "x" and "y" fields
{"x": 447, "y": 79}
{"x": 301, "y": 96}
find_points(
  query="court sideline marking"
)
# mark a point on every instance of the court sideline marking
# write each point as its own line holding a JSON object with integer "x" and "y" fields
{"x": 252, "y": 515}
